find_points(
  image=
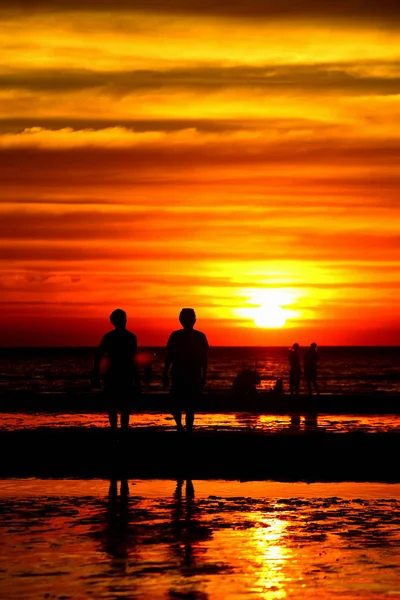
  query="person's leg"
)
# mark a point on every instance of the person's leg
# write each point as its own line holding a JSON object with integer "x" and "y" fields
{"x": 111, "y": 394}
{"x": 125, "y": 418}
{"x": 189, "y": 420}
{"x": 309, "y": 385}
{"x": 189, "y": 488}
{"x": 113, "y": 489}
{"x": 176, "y": 405}
{"x": 315, "y": 384}
{"x": 124, "y": 487}
{"x": 191, "y": 400}
{"x": 113, "y": 418}
{"x": 177, "y": 414}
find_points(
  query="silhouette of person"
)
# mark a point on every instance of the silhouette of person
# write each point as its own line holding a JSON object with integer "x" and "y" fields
{"x": 187, "y": 353}
{"x": 121, "y": 381}
{"x": 278, "y": 390}
{"x": 148, "y": 372}
{"x": 310, "y": 368}
{"x": 245, "y": 383}
{"x": 295, "y": 369}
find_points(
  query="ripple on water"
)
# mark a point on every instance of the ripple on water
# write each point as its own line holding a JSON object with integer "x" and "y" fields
{"x": 223, "y": 421}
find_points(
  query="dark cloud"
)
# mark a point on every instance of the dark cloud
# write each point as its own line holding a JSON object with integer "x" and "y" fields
{"x": 151, "y": 164}
{"x": 343, "y": 78}
{"x": 18, "y": 125}
{"x": 319, "y": 246}
{"x": 193, "y": 225}
{"x": 82, "y": 225}
{"x": 27, "y": 281}
{"x": 358, "y": 10}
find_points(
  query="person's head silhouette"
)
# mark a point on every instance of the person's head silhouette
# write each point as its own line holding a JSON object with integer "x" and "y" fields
{"x": 313, "y": 346}
{"x": 187, "y": 318}
{"x": 118, "y": 318}
{"x": 295, "y": 347}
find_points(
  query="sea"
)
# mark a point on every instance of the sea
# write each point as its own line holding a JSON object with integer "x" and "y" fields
{"x": 342, "y": 370}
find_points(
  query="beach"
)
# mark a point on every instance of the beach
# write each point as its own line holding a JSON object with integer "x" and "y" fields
{"x": 268, "y": 498}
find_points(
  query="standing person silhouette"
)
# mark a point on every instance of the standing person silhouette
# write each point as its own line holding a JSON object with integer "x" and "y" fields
{"x": 295, "y": 369}
{"x": 310, "y": 368}
{"x": 121, "y": 380}
{"x": 187, "y": 353}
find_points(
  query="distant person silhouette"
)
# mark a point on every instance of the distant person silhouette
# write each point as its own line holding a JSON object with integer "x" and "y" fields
{"x": 278, "y": 389}
{"x": 187, "y": 353}
{"x": 310, "y": 368}
{"x": 121, "y": 380}
{"x": 295, "y": 369}
{"x": 245, "y": 383}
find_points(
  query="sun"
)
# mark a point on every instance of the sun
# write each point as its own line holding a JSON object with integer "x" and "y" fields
{"x": 270, "y": 316}
{"x": 269, "y": 308}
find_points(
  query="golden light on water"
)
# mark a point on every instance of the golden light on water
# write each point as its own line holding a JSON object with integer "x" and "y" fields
{"x": 271, "y": 556}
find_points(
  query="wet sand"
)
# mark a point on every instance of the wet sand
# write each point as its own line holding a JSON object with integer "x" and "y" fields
{"x": 198, "y": 540}
{"x": 244, "y": 421}
{"x": 212, "y": 401}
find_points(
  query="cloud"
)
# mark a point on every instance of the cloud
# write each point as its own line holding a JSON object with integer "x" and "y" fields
{"x": 340, "y": 78}
{"x": 168, "y": 124}
{"x": 358, "y": 10}
{"x": 147, "y": 224}
{"x": 213, "y": 244}
{"x": 150, "y": 157}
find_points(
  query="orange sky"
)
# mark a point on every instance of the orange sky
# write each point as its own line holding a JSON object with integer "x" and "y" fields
{"x": 238, "y": 157}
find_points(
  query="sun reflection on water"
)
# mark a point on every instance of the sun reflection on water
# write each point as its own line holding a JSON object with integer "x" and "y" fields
{"x": 271, "y": 556}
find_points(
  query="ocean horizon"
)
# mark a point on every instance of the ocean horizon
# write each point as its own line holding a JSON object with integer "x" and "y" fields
{"x": 342, "y": 369}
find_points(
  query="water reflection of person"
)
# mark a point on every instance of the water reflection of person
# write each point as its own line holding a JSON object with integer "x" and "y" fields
{"x": 117, "y": 536}
{"x": 310, "y": 421}
{"x": 187, "y": 533}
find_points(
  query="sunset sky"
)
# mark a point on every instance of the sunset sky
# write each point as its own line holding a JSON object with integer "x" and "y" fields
{"x": 242, "y": 158}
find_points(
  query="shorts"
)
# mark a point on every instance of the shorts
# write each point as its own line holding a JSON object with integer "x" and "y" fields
{"x": 184, "y": 396}
{"x": 120, "y": 395}
{"x": 310, "y": 374}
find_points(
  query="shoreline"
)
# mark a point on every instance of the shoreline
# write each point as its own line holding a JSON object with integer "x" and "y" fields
{"x": 209, "y": 402}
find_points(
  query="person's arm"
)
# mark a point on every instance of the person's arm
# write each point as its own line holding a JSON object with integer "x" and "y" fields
{"x": 95, "y": 375}
{"x": 204, "y": 363}
{"x": 168, "y": 361}
{"x": 136, "y": 374}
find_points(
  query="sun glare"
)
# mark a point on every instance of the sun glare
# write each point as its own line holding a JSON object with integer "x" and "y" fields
{"x": 270, "y": 308}
{"x": 270, "y": 316}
